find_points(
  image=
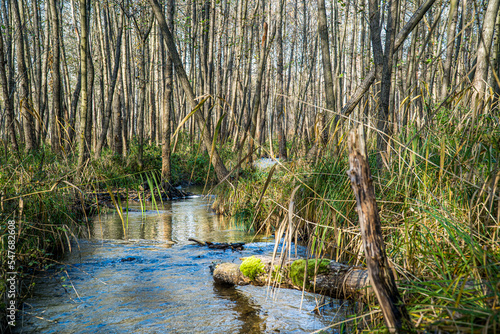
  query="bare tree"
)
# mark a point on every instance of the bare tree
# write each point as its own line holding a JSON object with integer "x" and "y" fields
{"x": 24, "y": 91}
{"x": 7, "y": 95}
{"x": 327, "y": 66}
{"x": 84, "y": 94}
{"x": 56, "y": 115}
{"x": 111, "y": 91}
{"x": 167, "y": 104}
{"x": 483, "y": 54}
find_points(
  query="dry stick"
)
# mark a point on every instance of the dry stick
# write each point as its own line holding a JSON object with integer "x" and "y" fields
{"x": 400, "y": 38}
{"x": 381, "y": 276}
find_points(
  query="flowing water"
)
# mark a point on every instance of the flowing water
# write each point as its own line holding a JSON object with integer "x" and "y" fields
{"x": 153, "y": 280}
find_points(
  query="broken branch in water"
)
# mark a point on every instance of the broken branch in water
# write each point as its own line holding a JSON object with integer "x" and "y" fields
{"x": 223, "y": 245}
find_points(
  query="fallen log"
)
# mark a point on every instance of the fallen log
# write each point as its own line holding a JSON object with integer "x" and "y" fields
{"x": 324, "y": 277}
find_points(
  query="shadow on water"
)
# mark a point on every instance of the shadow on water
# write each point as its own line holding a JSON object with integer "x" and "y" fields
{"x": 156, "y": 281}
{"x": 247, "y": 311}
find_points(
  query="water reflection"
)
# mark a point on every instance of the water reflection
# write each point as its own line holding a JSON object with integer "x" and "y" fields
{"x": 247, "y": 312}
{"x": 172, "y": 222}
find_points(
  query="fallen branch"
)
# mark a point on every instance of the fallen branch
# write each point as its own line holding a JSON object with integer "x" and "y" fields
{"x": 222, "y": 245}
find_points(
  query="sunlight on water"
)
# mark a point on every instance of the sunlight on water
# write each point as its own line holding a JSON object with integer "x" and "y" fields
{"x": 156, "y": 281}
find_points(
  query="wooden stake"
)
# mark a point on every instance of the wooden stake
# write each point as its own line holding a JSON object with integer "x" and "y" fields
{"x": 381, "y": 276}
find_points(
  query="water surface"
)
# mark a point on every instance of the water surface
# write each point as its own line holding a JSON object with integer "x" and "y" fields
{"x": 144, "y": 276}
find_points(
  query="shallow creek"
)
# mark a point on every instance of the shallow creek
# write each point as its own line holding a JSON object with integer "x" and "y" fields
{"x": 153, "y": 280}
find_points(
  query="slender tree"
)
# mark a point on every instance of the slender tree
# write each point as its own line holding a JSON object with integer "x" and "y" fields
{"x": 24, "y": 91}
{"x": 167, "y": 105}
{"x": 111, "y": 91}
{"x": 56, "y": 118}
{"x": 82, "y": 145}
{"x": 280, "y": 107}
{"x": 483, "y": 54}
{"x": 327, "y": 66}
{"x": 7, "y": 95}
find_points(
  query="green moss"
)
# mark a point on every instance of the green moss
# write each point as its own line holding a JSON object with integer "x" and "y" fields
{"x": 251, "y": 267}
{"x": 313, "y": 266}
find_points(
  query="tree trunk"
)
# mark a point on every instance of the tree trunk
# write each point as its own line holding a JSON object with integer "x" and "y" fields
{"x": 128, "y": 101}
{"x": 381, "y": 276}
{"x": 348, "y": 108}
{"x": 280, "y": 108}
{"x": 142, "y": 101}
{"x": 483, "y": 54}
{"x": 84, "y": 90}
{"x": 117, "y": 123}
{"x": 265, "y": 48}
{"x": 450, "y": 37}
{"x": 37, "y": 71}
{"x": 327, "y": 67}
{"x": 73, "y": 110}
{"x": 109, "y": 102}
{"x": 166, "y": 173}
{"x": 56, "y": 115}
{"x": 383, "y": 133}
{"x": 7, "y": 96}
{"x": 24, "y": 93}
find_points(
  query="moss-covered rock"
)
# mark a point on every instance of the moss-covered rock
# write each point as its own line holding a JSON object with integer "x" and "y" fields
{"x": 251, "y": 267}
{"x": 314, "y": 266}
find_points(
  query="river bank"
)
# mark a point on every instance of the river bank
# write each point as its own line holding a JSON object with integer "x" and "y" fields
{"x": 437, "y": 235}
{"x": 51, "y": 205}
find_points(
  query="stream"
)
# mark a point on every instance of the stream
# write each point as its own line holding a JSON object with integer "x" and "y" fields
{"x": 153, "y": 280}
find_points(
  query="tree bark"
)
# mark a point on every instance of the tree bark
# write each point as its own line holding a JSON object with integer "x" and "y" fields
{"x": 117, "y": 123}
{"x": 381, "y": 276}
{"x": 56, "y": 115}
{"x": 24, "y": 93}
{"x": 7, "y": 96}
{"x": 450, "y": 37}
{"x": 280, "y": 108}
{"x": 483, "y": 54}
{"x": 383, "y": 133}
{"x": 166, "y": 172}
{"x": 327, "y": 67}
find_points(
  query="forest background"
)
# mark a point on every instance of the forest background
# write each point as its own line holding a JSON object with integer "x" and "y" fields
{"x": 107, "y": 94}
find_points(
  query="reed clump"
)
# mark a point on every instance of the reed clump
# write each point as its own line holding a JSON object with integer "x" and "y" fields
{"x": 439, "y": 204}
